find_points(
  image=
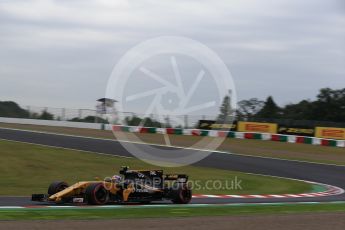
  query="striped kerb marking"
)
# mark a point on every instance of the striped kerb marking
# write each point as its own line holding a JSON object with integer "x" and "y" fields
{"x": 331, "y": 191}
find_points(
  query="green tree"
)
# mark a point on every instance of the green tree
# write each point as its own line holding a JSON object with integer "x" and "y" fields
{"x": 90, "y": 119}
{"x": 269, "y": 110}
{"x": 330, "y": 105}
{"x": 247, "y": 109}
{"x": 46, "y": 116}
{"x": 304, "y": 110}
{"x": 226, "y": 112}
{"x": 146, "y": 122}
{"x": 133, "y": 121}
{"x": 12, "y": 109}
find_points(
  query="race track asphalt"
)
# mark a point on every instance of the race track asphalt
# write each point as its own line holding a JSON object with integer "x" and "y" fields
{"x": 321, "y": 173}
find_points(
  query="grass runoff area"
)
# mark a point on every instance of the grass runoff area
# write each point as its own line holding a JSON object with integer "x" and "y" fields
{"x": 291, "y": 151}
{"x": 166, "y": 211}
{"x": 29, "y": 168}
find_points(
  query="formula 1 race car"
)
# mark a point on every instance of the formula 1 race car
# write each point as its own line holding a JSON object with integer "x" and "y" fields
{"x": 141, "y": 186}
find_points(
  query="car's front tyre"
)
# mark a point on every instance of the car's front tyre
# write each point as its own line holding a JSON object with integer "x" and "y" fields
{"x": 96, "y": 194}
{"x": 56, "y": 186}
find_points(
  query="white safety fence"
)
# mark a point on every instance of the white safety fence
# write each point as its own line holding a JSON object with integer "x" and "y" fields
{"x": 69, "y": 124}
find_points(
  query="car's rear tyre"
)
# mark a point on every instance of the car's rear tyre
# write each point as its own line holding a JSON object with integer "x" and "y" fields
{"x": 56, "y": 186}
{"x": 181, "y": 194}
{"x": 96, "y": 194}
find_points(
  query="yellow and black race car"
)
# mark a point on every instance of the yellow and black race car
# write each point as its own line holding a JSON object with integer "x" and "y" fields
{"x": 141, "y": 186}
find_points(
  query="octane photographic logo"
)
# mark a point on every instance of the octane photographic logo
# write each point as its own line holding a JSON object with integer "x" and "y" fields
{"x": 170, "y": 80}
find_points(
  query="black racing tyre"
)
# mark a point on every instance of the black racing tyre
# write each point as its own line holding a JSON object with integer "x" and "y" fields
{"x": 181, "y": 194}
{"x": 56, "y": 186}
{"x": 96, "y": 194}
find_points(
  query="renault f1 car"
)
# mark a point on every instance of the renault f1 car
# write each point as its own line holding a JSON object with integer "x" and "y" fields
{"x": 141, "y": 186}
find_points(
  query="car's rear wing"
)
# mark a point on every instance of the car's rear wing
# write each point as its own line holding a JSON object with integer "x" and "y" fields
{"x": 182, "y": 178}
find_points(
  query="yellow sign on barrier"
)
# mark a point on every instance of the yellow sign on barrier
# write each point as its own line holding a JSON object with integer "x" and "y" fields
{"x": 257, "y": 127}
{"x": 330, "y": 133}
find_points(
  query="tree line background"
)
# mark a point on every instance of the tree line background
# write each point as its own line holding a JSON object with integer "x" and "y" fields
{"x": 12, "y": 109}
{"x": 329, "y": 106}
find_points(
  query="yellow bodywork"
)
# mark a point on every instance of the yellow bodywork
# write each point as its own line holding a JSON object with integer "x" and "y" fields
{"x": 80, "y": 187}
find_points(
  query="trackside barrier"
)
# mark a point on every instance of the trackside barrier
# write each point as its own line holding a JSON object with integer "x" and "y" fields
{"x": 54, "y": 123}
{"x": 232, "y": 134}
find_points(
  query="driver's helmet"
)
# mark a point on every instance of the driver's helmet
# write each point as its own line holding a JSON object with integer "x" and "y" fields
{"x": 116, "y": 178}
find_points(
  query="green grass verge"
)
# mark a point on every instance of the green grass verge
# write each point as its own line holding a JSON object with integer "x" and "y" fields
{"x": 160, "y": 212}
{"x": 28, "y": 168}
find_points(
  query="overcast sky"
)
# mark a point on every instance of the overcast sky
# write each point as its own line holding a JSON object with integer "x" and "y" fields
{"x": 61, "y": 53}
